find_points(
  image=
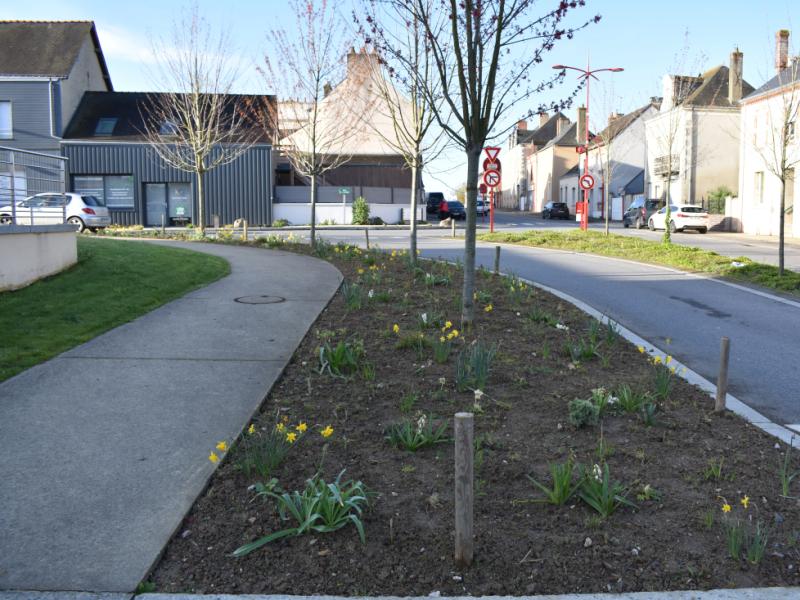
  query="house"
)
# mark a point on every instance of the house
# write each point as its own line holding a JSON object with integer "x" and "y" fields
{"x": 357, "y": 134}
{"x": 619, "y": 152}
{"x": 768, "y": 121}
{"x": 550, "y": 163}
{"x": 45, "y": 67}
{"x": 522, "y": 143}
{"x": 110, "y": 158}
{"x": 569, "y": 189}
{"x": 693, "y": 140}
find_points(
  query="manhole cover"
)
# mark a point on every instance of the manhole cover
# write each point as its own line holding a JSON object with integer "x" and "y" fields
{"x": 260, "y": 299}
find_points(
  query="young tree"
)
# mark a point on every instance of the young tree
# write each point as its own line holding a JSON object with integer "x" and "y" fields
{"x": 194, "y": 125}
{"x": 314, "y": 122}
{"x": 409, "y": 94}
{"x": 484, "y": 53}
{"x": 778, "y": 146}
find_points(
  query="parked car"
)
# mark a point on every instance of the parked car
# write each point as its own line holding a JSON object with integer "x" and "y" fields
{"x": 638, "y": 213}
{"x": 85, "y": 212}
{"x": 555, "y": 210}
{"x": 482, "y": 207}
{"x": 681, "y": 218}
{"x": 456, "y": 209}
{"x": 432, "y": 202}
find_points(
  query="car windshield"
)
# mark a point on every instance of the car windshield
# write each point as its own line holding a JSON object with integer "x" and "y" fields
{"x": 691, "y": 209}
{"x": 92, "y": 201}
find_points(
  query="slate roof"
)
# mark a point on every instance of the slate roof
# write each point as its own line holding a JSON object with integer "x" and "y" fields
{"x": 568, "y": 137}
{"x": 130, "y": 111}
{"x": 540, "y": 135}
{"x": 46, "y": 48}
{"x": 713, "y": 91}
{"x": 636, "y": 184}
{"x": 619, "y": 124}
{"x": 573, "y": 172}
{"x": 788, "y": 75}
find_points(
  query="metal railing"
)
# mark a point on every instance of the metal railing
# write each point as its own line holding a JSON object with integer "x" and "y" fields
{"x": 24, "y": 173}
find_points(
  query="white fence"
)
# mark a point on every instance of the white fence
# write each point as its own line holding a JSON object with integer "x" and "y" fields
{"x": 330, "y": 194}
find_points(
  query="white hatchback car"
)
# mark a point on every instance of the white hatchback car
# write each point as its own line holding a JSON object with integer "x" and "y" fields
{"x": 85, "y": 212}
{"x": 681, "y": 218}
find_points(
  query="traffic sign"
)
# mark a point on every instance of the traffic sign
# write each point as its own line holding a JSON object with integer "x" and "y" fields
{"x": 492, "y": 164}
{"x": 580, "y": 149}
{"x": 482, "y": 188}
{"x": 491, "y": 178}
{"x": 586, "y": 182}
{"x": 492, "y": 152}
{"x": 344, "y": 191}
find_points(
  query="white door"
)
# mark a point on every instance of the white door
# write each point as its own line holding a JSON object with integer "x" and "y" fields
{"x": 616, "y": 209}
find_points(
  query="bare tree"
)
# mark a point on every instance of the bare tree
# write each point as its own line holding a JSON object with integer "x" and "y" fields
{"x": 409, "y": 92}
{"x": 314, "y": 121}
{"x": 194, "y": 125}
{"x": 484, "y": 53}
{"x": 778, "y": 147}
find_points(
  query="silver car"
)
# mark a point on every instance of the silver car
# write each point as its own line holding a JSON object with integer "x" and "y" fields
{"x": 49, "y": 208}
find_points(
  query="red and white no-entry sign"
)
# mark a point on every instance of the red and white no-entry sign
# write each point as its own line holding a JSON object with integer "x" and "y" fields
{"x": 491, "y": 178}
{"x": 586, "y": 182}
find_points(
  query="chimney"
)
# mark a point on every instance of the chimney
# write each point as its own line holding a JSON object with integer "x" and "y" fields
{"x": 781, "y": 50}
{"x": 543, "y": 118}
{"x": 735, "y": 77}
{"x": 522, "y": 125}
{"x": 580, "y": 133}
{"x": 613, "y": 117}
{"x": 358, "y": 63}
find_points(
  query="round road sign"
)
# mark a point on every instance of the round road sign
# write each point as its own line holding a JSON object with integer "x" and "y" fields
{"x": 491, "y": 178}
{"x": 491, "y": 163}
{"x": 587, "y": 182}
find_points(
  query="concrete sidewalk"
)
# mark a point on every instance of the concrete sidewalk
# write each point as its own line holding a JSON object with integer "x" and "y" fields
{"x": 105, "y": 447}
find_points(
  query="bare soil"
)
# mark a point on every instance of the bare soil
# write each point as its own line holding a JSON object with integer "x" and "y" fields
{"x": 521, "y": 547}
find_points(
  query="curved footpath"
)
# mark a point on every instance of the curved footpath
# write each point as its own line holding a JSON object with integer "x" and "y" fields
{"x": 105, "y": 447}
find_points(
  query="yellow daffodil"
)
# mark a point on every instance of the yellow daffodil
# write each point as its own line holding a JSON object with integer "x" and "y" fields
{"x": 301, "y": 427}
{"x": 672, "y": 369}
{"x": 448, "y": 324}
{"x": 327, "y": 432}
{"x": 291, "y": 437}
{"x": 222, "y": 446}
{"x": 640, "y": 349}
{"x": 745, "y": 501}
{"x": 213, "y": 458}
{"x": 669, "y": 360}
{"x": 442, "y": 338}
{"x": 488, "y": 308}
{"x": 726, "y": 508}
{"x": 396, "y": 328}
{"x": 656, "y": 360}
{"x": 361, "y": 271}
{"x": 455, "y": 333}
{"x": 251, "y": 430}
{"x": 280, "y": 427}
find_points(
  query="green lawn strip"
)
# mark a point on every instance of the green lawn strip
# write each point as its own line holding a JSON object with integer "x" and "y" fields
{"x": 671, "y": 255}
{"x": 113, "y": 283}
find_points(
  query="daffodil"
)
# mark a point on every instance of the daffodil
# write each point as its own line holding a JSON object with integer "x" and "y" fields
{"x": 361, "y": 271}
{"x": 442, "y": 338}
{"x": 448, "y": 324}
{"x": 656, "y": 360}
{"x": 745, "y": 501}
{"x": 726, "y": 508}
{"x": 222, "y": 446}
{"x": 327, "y": 432}
{"x": 291, "y": 437}
{"x": 213, "y": 458}
{"x": 396, "y": 328}
{"x": 252, "y": 429}
{"x": 669, "y": 360}
{"x": 280, "y": 427}
{"x": 488, "y": 308}
{"x": 301, "y": 427}
{"x": 640, "y": 349}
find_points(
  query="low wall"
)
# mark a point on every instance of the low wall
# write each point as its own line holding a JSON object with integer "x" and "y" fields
{"x": 30, "y": 253}
{"x": 330, "y": 194}
{"x": 300, "y": 214}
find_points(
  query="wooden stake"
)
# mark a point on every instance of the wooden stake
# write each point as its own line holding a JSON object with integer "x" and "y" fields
{"x": 163, "y": 223}
{"x": 453, "y": 226}
{"x": 464, "y": 448}
{"x": 244, "y": 229}
{"x": 497, "y": 260}
{"x": 722, "y": 378}
{"x": 366, "y": 233}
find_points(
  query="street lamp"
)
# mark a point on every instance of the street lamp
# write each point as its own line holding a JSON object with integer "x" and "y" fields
{"x": 585, "y": 74}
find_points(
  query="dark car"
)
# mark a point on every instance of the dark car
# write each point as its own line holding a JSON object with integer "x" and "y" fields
{"x": 640, "y": 211}
{"x": 456, "y": 209}
{"x": 432, "y": 202}
{"x": 555, "y": 210}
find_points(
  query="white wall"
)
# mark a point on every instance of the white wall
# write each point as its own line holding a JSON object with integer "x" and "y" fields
{"x": 35, "y": 255}
{"x": 300, "y": 214}
{"x": 86, "y": 75}
{"x": 659, "y": 130}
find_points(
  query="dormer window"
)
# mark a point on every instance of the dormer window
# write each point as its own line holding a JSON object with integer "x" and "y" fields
{"x": 105, "y": 126}
{"x": 168, "y": 128}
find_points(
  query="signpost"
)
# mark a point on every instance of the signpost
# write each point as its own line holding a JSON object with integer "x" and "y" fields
{"x": 344, "y": 193}
{"x": 491, "y": 177}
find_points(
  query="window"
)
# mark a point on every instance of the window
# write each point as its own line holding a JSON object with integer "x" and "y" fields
{"x": 105, "y": 126}
{"x": 114, "y": 191}
{"x": 6, "y": 128}
{"x": 759, "y": 186}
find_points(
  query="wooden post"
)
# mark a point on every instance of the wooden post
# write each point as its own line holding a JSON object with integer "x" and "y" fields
{"x": 453, "y": 226}
{"x": 464, "y": 448}
{"x": 216, "y": 221}
{"x": 722, "y": 378}
{"x": 163, "y": 223}
{"x": 244, "y": 230}
{"x": 366, "y": 233}
{"x": 497, "y": 260}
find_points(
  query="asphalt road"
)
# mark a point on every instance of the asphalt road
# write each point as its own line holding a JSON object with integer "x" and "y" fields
{"x": 683, "y": 314}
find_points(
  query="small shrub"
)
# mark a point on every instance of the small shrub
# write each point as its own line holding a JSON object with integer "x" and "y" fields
{"x": 563, "y": 487}
{"x": 583, "y": 413}
{"x": 602, "y": 494}
{"x": 375, "y": 221}
{"x": 342, "y": 360}
{"x": 416, "y": 434}
{"x": 473, "y": 366}
{"x": 280, "y": 223}
{"x": 360, "y": 211}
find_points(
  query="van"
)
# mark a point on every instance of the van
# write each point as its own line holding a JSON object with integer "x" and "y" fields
{"x": 432, "y": 201}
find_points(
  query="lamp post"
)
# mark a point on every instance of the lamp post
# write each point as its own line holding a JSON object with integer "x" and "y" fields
{"x": 586, "y": 74}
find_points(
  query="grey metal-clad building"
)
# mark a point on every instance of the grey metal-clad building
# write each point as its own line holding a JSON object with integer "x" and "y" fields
{"x": 109, "y": 158}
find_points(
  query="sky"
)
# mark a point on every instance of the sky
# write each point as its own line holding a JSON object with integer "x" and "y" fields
{"x": 644, "y": 37}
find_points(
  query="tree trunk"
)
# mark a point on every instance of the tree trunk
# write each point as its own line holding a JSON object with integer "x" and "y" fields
{"x": 201, "y": 199}
{"x": 781, "y": 225}
{"x": 606, "y": 199}
{"x": 467, "y": 301}
{"x": 412, "y": 229}
{"x": 313, "y": 211}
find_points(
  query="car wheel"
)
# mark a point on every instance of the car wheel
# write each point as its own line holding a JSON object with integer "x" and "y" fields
{"x": 672, "y": 228}
{"x": 625, "y": 224}
{"x": 77, "y": 222}
{"x": 639, "y": 223}
{"x": 703, "y": 230}
{"x": 5, "y": 219}
{"x": 651, "y": 225}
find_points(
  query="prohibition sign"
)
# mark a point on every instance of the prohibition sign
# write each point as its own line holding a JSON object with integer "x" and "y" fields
{"x": 587, "y": 182}
{"x": 491, "y": 178}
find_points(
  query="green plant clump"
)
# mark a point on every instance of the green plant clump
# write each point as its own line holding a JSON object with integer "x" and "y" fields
{"x": 602, "y": 494}
{"x": 342, "y": 360}
{"x": 473, "y": 366}
{"x": 263, "y": 452}
{"x": 412, "y": 435}
{"x": 360, "y": 211}
{"x": 583, "y": 413}
{"x": 562, "y": 488}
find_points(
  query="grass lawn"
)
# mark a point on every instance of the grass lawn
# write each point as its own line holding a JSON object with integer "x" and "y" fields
{"x": 674, "y": 255}
{"x": 113, "y": 283}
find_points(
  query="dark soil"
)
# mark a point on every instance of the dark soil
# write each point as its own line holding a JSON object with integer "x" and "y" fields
{"x": 521, "y": 548}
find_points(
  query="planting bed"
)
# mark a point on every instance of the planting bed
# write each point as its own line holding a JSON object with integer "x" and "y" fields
{"x": 675, "y": 538}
